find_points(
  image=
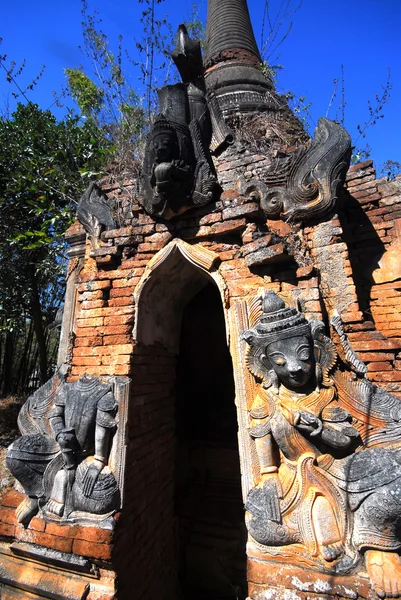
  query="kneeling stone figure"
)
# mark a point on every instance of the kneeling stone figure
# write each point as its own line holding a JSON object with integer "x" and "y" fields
{"x": 61, "y": 460}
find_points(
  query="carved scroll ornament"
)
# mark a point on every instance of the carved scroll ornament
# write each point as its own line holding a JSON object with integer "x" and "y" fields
{"x": 307, "y": 185}
{"x": 328, "y": 448}
{"x": 68, "y": 459}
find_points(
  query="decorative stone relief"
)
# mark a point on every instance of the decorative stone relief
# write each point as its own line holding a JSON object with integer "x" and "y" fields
{"x": 306, "y": 185}
{"x": 95, "y": 213}
{"x": 178, "y": 171}
{"x": 325, "y": 457}
{"x": 70, "y": 457}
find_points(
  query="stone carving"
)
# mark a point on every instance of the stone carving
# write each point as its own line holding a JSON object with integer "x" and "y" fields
{"x": 95, "y": 212}
{"x": 178, "y": 171}
{"x": 328, "y": 451}
{"x": 63, "y": 459}
{"x": 306, "y": 185}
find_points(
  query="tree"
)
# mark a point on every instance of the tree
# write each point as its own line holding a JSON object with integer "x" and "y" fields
{"x": 44, "y": 167}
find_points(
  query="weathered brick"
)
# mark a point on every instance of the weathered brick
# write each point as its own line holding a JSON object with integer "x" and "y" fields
{"x": 122, "y": 292}
{"x": 228, "y": 226}
{"x": 89, "y": 341}
{"x": 122, "y": 301}
{"x": 91, "y": 286}
{"x": 259, "y": 243}
{"x": 379, "y": 366}
{"x": 119, "y": 320}
{"x": 250, "y": 210}
{"x": 92, "y": 550}
{"x": 62, "y": 544}
{"x": 117, "y": 339}
{"x": 12, "y": 498}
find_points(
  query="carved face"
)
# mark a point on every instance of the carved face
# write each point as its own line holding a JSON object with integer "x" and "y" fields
{"x": 164, "y": 147}
{"x": 292, "y": 359}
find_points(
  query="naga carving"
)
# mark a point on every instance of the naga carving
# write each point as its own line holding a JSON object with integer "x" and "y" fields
{"x": 178, "y": 171}
{"x": 64, "y": 458}
{"x": 307, "y": 185}
{"x": 95, "y": 212}
{"x": 328, "y": 452}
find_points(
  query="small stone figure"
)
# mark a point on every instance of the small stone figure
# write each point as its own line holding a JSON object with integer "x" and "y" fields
{"x": 178, "y": 171}
{"x": 328, "y": 449}
{"x": 61, "y": 460}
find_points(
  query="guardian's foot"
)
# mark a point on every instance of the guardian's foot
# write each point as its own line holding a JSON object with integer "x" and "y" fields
{"x": 332, "y": 551}
{"x": 384, "y": 569}
{"x": 26, "y": 510}
{"x": 57, "y": 508}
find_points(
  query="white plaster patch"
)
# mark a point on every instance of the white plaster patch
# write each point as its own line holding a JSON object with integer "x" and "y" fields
{"x": 350, "y": 593}
{"x": 269, "y": 594}
{"x": 321, "y": 586}
{"x": 301, "y": 585}
{"x": 290, "y": 595}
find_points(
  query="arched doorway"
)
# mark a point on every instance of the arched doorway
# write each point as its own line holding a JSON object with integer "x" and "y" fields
{"x": 180, "y": 313}
{"x": 208, "y": 502}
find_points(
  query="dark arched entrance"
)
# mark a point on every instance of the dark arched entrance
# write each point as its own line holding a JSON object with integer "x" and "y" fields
{"x": 208, "y": 503}
{"x": 188, "y": 537}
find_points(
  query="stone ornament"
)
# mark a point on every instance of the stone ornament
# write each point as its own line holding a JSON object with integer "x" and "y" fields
{"x": 70, "y": 456}
{"x": 327, "y": 489}
{"x": 307, "y": 184}
{"x": 95, "y": 211}
{"x": 178, "y": 171}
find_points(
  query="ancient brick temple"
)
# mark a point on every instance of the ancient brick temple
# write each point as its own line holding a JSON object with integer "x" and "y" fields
{"x": 225, "y": 421}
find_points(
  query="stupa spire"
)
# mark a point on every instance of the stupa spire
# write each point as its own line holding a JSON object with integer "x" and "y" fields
{"x": 229, "y": 31}
{"x": 232, "y": 58}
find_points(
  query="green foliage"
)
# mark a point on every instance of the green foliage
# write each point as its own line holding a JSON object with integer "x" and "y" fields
{"x": 86, "y": 94}
{"x": 195, "y": 26}
{"x": 44, "y": 166}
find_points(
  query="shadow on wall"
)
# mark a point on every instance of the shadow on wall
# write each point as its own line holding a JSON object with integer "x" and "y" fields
{"x": 365, "y": 249}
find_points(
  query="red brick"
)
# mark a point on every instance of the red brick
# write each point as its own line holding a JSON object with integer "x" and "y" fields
{"x": 116, "y": 349}
{"x": 92, "y": 286}
{"x": 37, "y": 524}
{"x": 228, "y": 226}
{"x": 12, "y": 498}
{"x": 115, "y": 359}
{"x": 94, "y": 534}
{"x": 117, "y": 339}
{"x": 86, "y": 361}
{"x": 7, "y": 515}
{"x": 117, "y": 329}
{"x": 365, "y": 335}
{"x": 90, "y": 304}
{"x": 92, "y": 322}
{"x": 122, "y": 292}
{"x": 122, "y": 301}
{"x": 91, "y": 296}
{"x": 259, "y": 243}
{"x": 43, "y": 539}
{"x": 119, "y": 320}
{"x": 125, "y": 282}
{"x": 94, "y": 340}
{"x": 7, "y": 530}
{"x": 379, "y": 366}
{"x": 376, "y": 356}
{"x": 63, "y": 531}
{"x": 386, "y": 376}
{"x": 250, "y": 210}
{"x": 376, "y": 345}
{"x": 92, "y": 550}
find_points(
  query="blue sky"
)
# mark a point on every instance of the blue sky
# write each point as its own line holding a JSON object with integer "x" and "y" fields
{"x": 362, "y": 35}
